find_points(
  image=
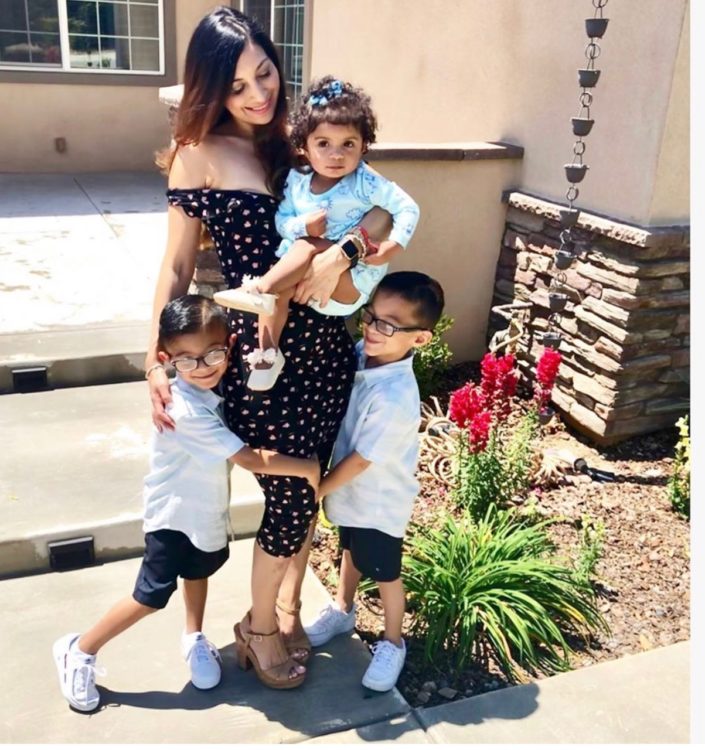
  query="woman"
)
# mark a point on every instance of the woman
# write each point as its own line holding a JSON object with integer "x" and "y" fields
{"x": 228, "y": 171}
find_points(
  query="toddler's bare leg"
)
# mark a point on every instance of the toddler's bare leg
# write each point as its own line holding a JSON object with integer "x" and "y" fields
{"x": 289, "y": 270}
{"x": 123, "y": 615}
{"x": 270, "y": 327}
{"x": 393, "y": 600}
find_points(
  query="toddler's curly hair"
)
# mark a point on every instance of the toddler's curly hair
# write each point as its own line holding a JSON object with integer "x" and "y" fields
{"x": 338, "y": 102}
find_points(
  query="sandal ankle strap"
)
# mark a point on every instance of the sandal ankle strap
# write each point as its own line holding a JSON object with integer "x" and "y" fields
{"x": 289, "y": 611}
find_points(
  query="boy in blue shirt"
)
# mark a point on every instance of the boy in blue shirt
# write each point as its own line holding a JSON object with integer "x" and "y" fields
{"x": 186, "y": 501}
{"x": 371, "y": 489}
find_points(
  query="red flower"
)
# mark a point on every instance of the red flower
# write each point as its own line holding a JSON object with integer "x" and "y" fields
{"x": 465, "y": 403}
{"x": 498, "y": 382}
{"x": 546, "y": 373}
{"x": 479, "y": 431}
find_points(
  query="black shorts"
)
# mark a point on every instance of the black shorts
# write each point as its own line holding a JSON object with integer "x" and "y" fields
{"x": 167, "y": 555}
{"x": 375, "y": 554}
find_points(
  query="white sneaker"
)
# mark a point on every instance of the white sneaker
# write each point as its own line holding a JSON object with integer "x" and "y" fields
{"x": 330, "y": 622}
{"x": 385, "y": 667}
{"x": 203, "y": 659}
{"x": 247, "y": 298}
{"x": 77, "y": 673}
{"x": 264, "y": 378}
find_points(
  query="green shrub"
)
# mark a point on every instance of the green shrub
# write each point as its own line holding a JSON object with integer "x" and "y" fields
{"x": 679, "y": 483}
{"x": 489, "y": 588}
{"x": 433, "y": 360}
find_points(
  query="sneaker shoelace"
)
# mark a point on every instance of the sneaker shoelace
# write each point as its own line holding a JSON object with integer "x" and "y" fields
{"x": 329, "y": 614}
{"x": 384, "y": 653}
{"x": 203, "y": 650}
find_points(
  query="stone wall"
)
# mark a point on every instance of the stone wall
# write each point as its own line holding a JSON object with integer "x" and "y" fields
{"x": 626, "y": 327}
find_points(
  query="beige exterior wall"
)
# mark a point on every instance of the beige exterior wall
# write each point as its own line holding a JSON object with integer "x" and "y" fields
{"x": 671, "y": 195}
{"x": 458, "y": 237}
{"x": 463, "y": 70}
{"x": 105, "y": 127}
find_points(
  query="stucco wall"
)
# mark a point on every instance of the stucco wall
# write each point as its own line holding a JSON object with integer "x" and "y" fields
{"x": 105, "y": 127}
{"x": 458, "y": 70}
{"x": 458, "y": 237}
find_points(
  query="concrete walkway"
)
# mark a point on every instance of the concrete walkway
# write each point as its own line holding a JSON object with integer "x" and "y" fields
{"x": 147, "y": 696}
{"x": 79, "y": 255}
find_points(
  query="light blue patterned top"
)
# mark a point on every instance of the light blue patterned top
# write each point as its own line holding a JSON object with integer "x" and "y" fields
{"x": 345, "y": 205}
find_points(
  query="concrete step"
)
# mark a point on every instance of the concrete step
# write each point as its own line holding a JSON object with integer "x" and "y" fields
{"x": 147, "y": 696}
{"x": 73, "y": 357}
{"x": 71, "y": 465}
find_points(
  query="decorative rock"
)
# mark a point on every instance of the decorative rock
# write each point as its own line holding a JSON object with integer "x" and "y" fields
{"x": 448, "y": 693}
{"x": 423, "y": 697}
{"x": 429, "y": 687}
{"x": 605, "y": 310}
{"x": 661, "y": 406}
{"x": 622, "y": 299}
{"x": 514, "y": 241}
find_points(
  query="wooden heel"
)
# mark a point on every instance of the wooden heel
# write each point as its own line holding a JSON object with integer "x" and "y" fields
{"x": 278, "y": 676}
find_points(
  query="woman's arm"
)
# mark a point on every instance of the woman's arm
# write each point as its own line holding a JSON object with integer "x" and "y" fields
{"x": 322, "y": 276}
{"x": 175, "y": 274}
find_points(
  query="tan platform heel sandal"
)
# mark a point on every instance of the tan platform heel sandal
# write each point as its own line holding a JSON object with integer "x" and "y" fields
{"x": 301, "y": 642}
{"x": 276, "y": 677}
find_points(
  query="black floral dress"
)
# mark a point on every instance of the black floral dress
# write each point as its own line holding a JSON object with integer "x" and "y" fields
{"x": 301, "y": 415}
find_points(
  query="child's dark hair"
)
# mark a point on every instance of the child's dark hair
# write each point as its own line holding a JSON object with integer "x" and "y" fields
{"x": 338, "y": 102}
{"x": 418, "y": 289}
{"x": 191, "y": 313}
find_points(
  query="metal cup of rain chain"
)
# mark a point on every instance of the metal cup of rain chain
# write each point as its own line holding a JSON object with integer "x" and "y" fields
{"x": 563, "y": 260}
{"x": 587, "y": 78}
{"x": 582, "y": 126}
{"x": 595, "y": 27}
{"x": 569, "y": 217}
{"x": 552, "y": 339}
{"x": 557, "y": 301}
{"x": 575, "y": 172}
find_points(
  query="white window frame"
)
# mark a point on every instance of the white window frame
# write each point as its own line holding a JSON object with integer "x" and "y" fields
{"x": 281, "y": 45}
{"x": 65, "y": 66}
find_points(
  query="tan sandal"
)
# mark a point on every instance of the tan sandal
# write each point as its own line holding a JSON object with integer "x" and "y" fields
{"x": 278, "y": 676}
{"x": 301, "y": 642}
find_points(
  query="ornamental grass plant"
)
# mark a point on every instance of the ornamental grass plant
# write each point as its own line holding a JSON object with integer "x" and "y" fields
{"x": 481, "y": 589}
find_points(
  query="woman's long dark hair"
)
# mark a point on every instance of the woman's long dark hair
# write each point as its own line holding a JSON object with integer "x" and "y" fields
{"x": 211, "y": 59}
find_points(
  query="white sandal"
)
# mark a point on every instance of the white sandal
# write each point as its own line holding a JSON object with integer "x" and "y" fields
{"x": 264, "y": 379}
{"x": 247, "y": 298}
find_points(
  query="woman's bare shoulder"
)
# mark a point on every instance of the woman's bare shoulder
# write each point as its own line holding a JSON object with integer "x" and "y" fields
{"x": 189, "y": 169}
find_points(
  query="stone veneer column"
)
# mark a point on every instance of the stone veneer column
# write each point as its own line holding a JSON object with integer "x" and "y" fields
{"x": 626, "y": 342}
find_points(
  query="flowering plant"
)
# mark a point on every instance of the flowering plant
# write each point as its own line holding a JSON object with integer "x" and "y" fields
{"x": 496, "y": 459}
{"x": 546, "y": 373}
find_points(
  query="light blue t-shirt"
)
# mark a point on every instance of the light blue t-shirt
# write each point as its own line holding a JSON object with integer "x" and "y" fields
{"x": 382, "y": 425}
{"x": 186, "y": 488}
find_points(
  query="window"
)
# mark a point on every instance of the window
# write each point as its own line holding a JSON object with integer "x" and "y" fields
{"x": 89, "y": 36}
{"x": 284, "y": 20}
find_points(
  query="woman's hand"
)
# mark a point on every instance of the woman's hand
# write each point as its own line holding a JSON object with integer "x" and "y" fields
{"x": 322, "y": 276}
{"x": 160, "y": 395}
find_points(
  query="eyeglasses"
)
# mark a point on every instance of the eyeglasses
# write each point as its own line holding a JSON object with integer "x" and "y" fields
{"x": 209, "y": 359}
{"x": 384, "y": 326}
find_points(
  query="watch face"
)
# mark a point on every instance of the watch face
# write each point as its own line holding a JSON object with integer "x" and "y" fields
{"x": 350, "y": 249}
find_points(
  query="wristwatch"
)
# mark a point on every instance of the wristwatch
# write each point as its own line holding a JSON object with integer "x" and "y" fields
{"x": 350, "y": 250}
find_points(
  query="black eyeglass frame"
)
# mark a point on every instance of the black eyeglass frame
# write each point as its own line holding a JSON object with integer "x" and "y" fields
{"x": 221, "y": 349}
{"x": 365, "y": 311}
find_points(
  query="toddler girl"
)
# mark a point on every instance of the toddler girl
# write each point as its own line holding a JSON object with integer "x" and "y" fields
{"x": 331, "y": 130}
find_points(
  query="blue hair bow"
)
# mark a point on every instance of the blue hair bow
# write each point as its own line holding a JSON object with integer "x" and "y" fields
{"x": 331, "y": 91}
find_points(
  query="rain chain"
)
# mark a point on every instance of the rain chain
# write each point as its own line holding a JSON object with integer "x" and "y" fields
{"x": 575, "y": 172}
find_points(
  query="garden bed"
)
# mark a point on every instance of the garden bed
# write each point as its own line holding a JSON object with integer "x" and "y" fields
{"x": 642, "y": 578}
